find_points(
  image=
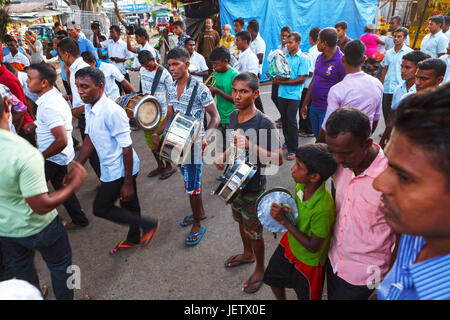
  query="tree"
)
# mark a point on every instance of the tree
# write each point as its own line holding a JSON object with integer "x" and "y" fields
{"x": 4, "y": 19}
{"x": 86, "y": 5}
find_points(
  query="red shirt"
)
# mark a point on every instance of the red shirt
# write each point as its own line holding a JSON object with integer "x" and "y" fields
{"x": 8, "y": 79}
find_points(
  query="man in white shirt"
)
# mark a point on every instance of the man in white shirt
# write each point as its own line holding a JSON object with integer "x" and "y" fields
{"x": 53, "y": 128}
{"x": 445, "y": 28}
{"x": 198, "y": 68}
{"x": 394, "y": 24}
{"x": 248, "y": 61}
{"x": 14, "y": 56}
{"x": 435, "y": 43}
{"x": 108, "y": 132}
{"x": 118, "y": 52}
{"x": 258, "y": 45}
{"x": 69, "y": 52}
{"x": 446, "y": 59}
{"x": 142, "y": 40}
{"x": 112, "y": 75}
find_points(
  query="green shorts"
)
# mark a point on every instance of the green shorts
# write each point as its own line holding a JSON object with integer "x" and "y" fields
{"x": 148, "y": 134}
{"x": 244, "y": 211}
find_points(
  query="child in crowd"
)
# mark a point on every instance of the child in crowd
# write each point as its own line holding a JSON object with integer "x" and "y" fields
{"x": 299, "y": 260}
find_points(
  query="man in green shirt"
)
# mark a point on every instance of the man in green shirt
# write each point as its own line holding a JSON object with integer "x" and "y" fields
{"x": 299, "y": 260}
{"x": 28, "y": 218}
{"x": 220, "y": 58}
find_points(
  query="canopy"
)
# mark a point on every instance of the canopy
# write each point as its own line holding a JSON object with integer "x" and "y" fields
{"x": 300, "y": 15}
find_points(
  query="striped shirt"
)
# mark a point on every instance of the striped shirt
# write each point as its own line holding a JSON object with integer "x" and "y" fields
{"x": 407, "y": 280}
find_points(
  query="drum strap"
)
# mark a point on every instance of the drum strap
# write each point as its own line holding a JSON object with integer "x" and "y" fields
{"x": 191, "y": 101}
{"x": 156, "y": 80}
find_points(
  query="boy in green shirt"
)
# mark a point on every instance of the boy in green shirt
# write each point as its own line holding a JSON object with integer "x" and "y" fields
{"x": 299, "y": 260}
{"x": 224, "y": 74}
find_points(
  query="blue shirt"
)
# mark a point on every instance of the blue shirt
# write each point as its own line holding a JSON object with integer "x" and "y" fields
{"x": 300, "y": 65}
{"x": 399, "y": 92}
{"x": 407, "y": 280}
{"x": 86, "y": 45}
{"x": 434, "y": 44}
{"x": 108, "y": 127}
{"x": 393, "y": 60}
{"x": 182, "y": 40}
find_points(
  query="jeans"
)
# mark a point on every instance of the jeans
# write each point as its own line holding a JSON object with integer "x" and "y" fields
{"x": 316, "y": 117}
{"x": 289, "y": 110}
{"x": 93, "y": 158}
{"x": 274, "y": 96}
{"x": 128, "y": 213}
{"x": 53, "y": 244}
{"x": 56, "y": 173}
{"x": 387, "y": 107}
{"x": 304, "y": 125}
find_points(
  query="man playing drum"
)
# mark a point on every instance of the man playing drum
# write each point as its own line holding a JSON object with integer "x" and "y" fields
{"x": 149, "y": 74}
{"x": 179, "y": 95}
{"x": 262, "y": 144}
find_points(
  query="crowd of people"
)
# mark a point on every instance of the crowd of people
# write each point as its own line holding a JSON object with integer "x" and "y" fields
{"x": 384, "y": 214}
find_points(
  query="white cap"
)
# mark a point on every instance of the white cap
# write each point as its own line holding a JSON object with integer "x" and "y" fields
{"x": 19, "y": 290}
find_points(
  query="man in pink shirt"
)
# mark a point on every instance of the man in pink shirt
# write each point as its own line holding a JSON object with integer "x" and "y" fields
{"x": 357, "y": 89}
{"x": 361, "y": 248}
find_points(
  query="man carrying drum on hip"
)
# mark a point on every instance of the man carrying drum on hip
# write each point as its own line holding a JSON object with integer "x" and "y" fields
{"x": 180, "y": 93}
{"x": 261, "y": 143}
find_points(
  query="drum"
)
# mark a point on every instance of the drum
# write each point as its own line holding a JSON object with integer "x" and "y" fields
{"x": 144, "y": 109}
{"x": 264, "y": 203}
{"x": 235, "y": 181}
{"x": 178, "y": 137}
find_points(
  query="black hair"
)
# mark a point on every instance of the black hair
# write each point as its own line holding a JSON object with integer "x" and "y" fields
{"x": 286, "y": 29}
{"x": 241, "y": 21}
{"x": 436, "y": 64}
{"x": 62, "y": 33}
{"x": 220, "y": 53}
{"x": 189, "y": 39}
{"x": 142, "y": 33}
{"x": 145, "y": 56}
{"x": 297, "y": 37}
{"x": 102, "y": 37}
{"x": 244, "y": 35}
{"x": 416, "y": 56}
{"x": 178, "y": 53}
{"x": 69, "y": 45}
{"x": 383, "y": 32}
{"x": 94, "y": 73}
{"x": 9, "y": 38}
{"x": 447, "y": 20}
{"x": 438, "y": 20}
{"x": 424, "y": 118}
{"x": 178, "y": 23}
{"x": 56, "y": 24}
{"x": 254, "y": 25}
{"x": 317, "y": 159}
{"x": 329, "y": 36}
{"x": 349, "y": 119}
{"x": 88, "y": 57}
{"x": 250, "y": 78}
{"x": 46, "y": 72}
{"x": 401, "y": 29}
{"x": 10, "y": 67}
{"x": 354, "y": 52}
{"x": 314, "y": 33}
{"x": 341, "y": 24}
{"x": 116, "y": 28}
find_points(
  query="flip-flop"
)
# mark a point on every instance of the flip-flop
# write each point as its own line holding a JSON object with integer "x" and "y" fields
{"x": 190, "y": 220}
{"x": 236, "y": 262}
{"x": 122, "y": 246}
{"x": 155, "y": 172}
{"x": 166, "y": 175}
{"x": 190, "y": 236}
{"x": 148, "y": 236}
{"x": 247, "y": 290}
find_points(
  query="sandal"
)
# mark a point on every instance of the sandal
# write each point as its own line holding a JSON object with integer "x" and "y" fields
{"x": 233, "y": 262}
{"x": 188, "y": 220}
{"x": 148, "y": 236}
{"x": 122, "y": 245}
{"x": 200, "y": 234}
{"x": 168, "y": 174}
{"x": 249, "y": 283}
{"x": 155, "y": 172}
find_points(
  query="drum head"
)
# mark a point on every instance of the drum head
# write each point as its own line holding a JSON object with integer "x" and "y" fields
{"x": 264, "y": 203}
{"x": 148, "y": 112}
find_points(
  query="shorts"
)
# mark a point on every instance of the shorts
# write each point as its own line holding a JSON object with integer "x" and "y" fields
{"x": 244, "y": 211}
{"x": 192, "y": 174}
{"x": 149, "y": 133}
{"x": 286, "y": 271}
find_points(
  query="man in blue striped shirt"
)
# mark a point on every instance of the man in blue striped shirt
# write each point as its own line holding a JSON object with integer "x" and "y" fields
{"x": 415, "y": 188}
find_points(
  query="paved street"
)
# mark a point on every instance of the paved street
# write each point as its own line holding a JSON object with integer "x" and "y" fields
{"x": 167, "y": 269}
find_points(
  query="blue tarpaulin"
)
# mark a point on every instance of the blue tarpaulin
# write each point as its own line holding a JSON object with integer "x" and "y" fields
{"x": 300, "y": 15}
